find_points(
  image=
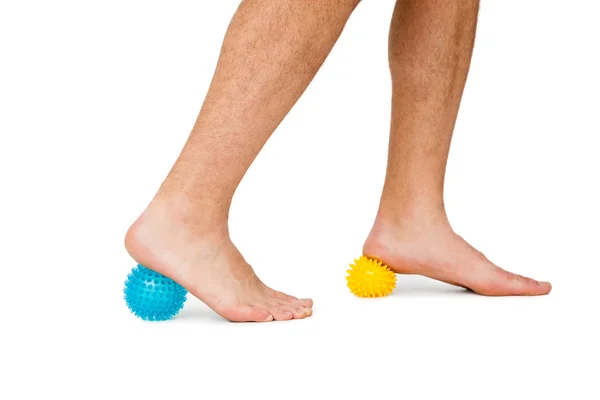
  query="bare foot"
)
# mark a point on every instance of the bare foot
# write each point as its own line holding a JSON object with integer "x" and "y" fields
{"x": 205, "y": 261}
{"x": 435, "y": 251}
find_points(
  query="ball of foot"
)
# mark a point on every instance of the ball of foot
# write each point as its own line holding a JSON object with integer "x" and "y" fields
{"x": 370, "y": 278}
{"x": 152, "y": 296}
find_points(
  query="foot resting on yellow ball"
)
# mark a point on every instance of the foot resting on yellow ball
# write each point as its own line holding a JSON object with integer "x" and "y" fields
{"x": 370, "y": 278}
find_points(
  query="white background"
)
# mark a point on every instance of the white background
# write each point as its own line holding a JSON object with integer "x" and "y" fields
{"x": 97, "y": 99}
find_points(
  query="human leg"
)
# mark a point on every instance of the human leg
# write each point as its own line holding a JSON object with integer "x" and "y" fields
{"x": 270, "y": 53}
{"x": 430, "y": 47}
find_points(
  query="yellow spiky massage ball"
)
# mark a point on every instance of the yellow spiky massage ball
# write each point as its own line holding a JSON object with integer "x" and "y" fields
{"x": 370, "y": 278}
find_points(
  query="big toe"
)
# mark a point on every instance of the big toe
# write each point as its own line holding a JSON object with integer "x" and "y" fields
{"x": 246, "y": 313}
{"x": 508, "y": 284}
{"x": 545, "y": 287}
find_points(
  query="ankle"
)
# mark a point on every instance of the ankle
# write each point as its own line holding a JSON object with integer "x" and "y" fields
{"x": 397, "y": 232}
{"x": 195, "y": 214}
{"x": 406, "y": 215}
{"x": 400, "y": 223}
{"x": 164, "y": 223}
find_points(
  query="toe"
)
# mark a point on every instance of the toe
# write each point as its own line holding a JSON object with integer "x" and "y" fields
{"x": 301, "y": 312}
{"x": 509, "y": 284}
{"x": 546, "y": 287}
{"x": 247, "y": 313}
{"x": 280, "y": 311}
{"x": 529, "y": 287}
{"x": 297, "y": 308}
{"x": 306, "y": 303}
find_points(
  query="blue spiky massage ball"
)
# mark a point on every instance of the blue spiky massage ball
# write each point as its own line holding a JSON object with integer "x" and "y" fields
{"x": 152, "y": 296}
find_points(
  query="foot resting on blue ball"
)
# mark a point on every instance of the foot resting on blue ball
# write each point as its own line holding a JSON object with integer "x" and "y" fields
{"x": 204, "y": 261}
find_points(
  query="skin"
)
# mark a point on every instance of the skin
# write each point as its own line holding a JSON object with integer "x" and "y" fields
{"x": 271, "y": 52}
{"x": 430, "y": 47}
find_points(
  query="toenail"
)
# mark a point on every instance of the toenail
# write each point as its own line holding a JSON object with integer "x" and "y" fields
{"x": 269, "y": 318}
